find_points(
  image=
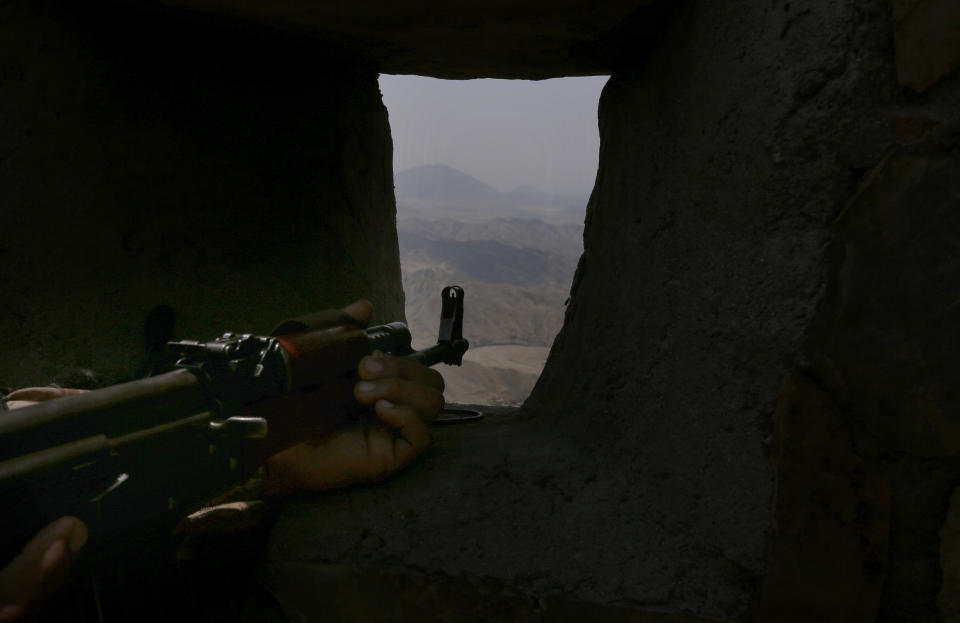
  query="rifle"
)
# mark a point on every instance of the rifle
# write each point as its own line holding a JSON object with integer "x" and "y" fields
{"x": 133, "y": 459}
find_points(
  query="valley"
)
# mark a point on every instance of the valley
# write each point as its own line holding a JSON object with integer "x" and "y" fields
{"x": 515, "y": 268}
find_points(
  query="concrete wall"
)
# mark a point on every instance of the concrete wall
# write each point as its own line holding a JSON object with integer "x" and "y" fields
{"x": 766, "y": 270}
{"x": 234, "y": 177}
{"x": 472, "y": 39}
{"x": 724, "y": 157}
{"x": 705, "y": 435}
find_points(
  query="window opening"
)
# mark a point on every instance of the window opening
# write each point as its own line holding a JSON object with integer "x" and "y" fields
{"x": 492, "y": 179}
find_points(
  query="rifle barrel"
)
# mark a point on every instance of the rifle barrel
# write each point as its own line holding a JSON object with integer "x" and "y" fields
{"x": 113, "y": 411}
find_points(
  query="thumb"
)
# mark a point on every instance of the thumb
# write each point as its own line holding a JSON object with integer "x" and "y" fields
{"x": 42, "y": 567}
{"x": 361, "y": 310}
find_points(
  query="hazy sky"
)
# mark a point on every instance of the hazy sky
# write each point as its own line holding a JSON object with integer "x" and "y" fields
{"x": 504, "y": 132}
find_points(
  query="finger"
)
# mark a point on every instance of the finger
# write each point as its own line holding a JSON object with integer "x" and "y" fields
{"x": 43, "y": 564}
{"x": 426, "y": 401}
{"x": 362, "y": 311}
{"x": 411, "y": 436}
{"x": 381, "y": 366}
{"x": 39, "y": 394}
{"x": 19, "y": 404}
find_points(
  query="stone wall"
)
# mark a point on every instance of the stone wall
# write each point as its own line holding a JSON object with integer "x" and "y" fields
{"x": 233, "y": 177}
{"x": 469, "y": 39}
{"x": 787, "y": 213}
{"x": 724, "y": 158}
{"x": 773, "y": 223}
{"x": 708, "y": 433}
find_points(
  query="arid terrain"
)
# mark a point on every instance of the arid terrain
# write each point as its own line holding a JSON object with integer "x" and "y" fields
{"x": 513, "y": 253}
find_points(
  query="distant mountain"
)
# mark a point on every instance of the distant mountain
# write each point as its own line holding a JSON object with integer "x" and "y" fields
{"x": 528, "y": 195}
{"x": 437, "y": 182}
{"x": 521, "y": 252}
{"x": 516, "y": 273}
{"x": 562, "y": 239}
{"x": 431, "y": 191}
{"x": 490, "y": 261}
{"x": 513, "y": 252}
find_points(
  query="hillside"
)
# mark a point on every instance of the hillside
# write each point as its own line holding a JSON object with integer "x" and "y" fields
{"x": 510, "y": 329}
{"x": 516, "y": 274}
{"x": 442, "y": 183}
{"x": 518, "y": 232}
{"x": 438, "y": 191}
{"x": 514, "y": 253}
{"x": 495, "y": 314}
{"x": 489, "y": 261}
{"x": 495, "y": 375}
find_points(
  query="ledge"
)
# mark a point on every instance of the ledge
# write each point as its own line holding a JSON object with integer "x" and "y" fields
{"x": 512, "y": 500}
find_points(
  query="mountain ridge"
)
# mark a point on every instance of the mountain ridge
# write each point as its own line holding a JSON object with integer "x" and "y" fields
{"x": 443, "y": 183}
{"x": 513, "y": 252}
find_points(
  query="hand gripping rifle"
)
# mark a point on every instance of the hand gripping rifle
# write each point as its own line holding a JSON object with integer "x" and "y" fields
{"x": 132, "y": 459}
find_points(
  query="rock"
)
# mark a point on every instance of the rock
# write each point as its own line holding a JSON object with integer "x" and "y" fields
{"x": 888, "y": 333}
{"x": 949, "y": 599}
{"x": 406, "y": 597}
{"x": 927, "y": 38}
{"x": 831, "y": 514}
{"x": 263, "y": 194}
{"x": 471, "y": 39}
{"x": 908, "y": 128}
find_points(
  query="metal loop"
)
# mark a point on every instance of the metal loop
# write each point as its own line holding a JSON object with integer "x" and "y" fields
{"x": 458, "y": 416}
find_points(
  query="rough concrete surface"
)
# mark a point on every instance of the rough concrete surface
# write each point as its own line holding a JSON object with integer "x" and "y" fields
{"x": 831, "y": 516}
{"x": 638, "y": 474}
{"x": 888, "y": 336}
{"x": 237, "y": 181}
{"x": 927, "y": 35}
{"x": 466, "y": 39}
{"x": 949, "y": 598}
{"x": 411, "y": 597}
{"x": 493, "y": 503}
{"x": 885, "y": 343}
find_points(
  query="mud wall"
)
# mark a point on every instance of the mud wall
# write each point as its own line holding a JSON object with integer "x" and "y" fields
{"x": 712, "y": 431}
{"x": 236, "y": 178}
{"x": 766, "y": 273}
{"x": 531, "y": 40}
{"x": 724, "y": 158}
